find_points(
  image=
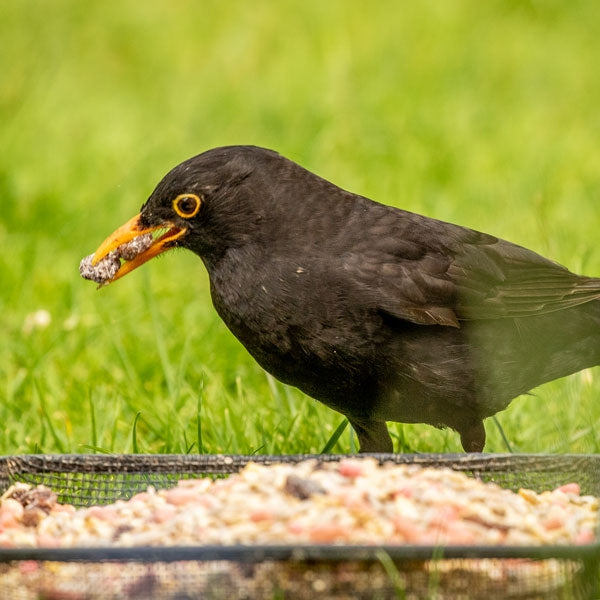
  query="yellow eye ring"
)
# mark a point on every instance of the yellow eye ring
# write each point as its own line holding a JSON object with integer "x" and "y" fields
{"x": 187, "y": 205}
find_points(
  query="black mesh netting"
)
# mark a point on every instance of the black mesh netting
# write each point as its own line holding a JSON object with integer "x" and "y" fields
{"x": 335, "y": 572}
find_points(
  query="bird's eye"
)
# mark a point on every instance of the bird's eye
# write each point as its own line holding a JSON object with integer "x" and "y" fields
{"x": 187, "y": 205}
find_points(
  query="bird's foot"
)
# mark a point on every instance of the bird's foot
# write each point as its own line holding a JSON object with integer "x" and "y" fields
{"x": 373, "y": 436}
{"x": 472, "y": 437}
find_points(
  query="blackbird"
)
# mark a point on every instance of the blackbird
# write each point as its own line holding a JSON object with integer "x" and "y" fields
{"x": 381, "y": 314}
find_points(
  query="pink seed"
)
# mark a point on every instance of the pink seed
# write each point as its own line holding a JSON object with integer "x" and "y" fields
{"x": 296, "y": 528}
{"x": 140, "y": 497}
{"x": 443, "y": 516}
{"x": 570, "y": 488}
{"x": 260, "y": 515}
{"x": 28, "y": 566}
{"x": 326, "y": 533}
{"x": 405, "y": 492}
{"x": 350, "y": 468}
{"x": 407, "y": 530}
{"x": 585, "y": 536}
{"x": 45, "y": 540}
{"x": 66, "y": 508}
{"x": 181, "y": 495}
{"x": 554, "y": 523}
{"x": 164, "y": 513}
{"x": 102, "y": 513}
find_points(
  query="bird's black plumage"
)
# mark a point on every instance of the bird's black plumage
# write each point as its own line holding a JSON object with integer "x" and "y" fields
{"x": 382, "y": 314}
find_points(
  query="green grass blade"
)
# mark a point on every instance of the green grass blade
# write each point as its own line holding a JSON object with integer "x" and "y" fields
{"x": 94, "y": 432}
{"x": 502, "y": 434}
{"x": 199, "y": 417}
{"x": 57, "y": 440}
{"x": 393, "y": 573}
{"x": 134, "y": 434}
{"x": 96, "y": 449}
{"x": 335, "y": 436}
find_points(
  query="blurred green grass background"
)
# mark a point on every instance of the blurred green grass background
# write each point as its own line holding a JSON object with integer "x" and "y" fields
{"x": 481, "y": 113}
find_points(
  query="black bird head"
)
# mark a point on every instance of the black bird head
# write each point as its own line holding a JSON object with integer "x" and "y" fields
{"x": 207, "y": 204}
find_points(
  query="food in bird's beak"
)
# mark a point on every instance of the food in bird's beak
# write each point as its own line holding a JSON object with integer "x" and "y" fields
{"x": 105, "y": 269}
{"x": 137, "y": 245}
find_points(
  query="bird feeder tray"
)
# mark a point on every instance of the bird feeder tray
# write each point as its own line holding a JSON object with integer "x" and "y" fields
{"x": 291, "y": 571}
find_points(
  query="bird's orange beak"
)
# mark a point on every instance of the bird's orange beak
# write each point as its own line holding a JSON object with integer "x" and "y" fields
{"x": 130, "y": 230}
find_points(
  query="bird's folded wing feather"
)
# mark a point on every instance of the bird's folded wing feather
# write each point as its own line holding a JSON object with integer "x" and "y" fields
{"x": 519, "y": 284}
{"x": 446, "y": 274}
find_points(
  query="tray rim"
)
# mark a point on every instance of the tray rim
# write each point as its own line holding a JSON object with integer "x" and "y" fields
{"x": 299, "y": 553}
{"x": 162, "y": 463}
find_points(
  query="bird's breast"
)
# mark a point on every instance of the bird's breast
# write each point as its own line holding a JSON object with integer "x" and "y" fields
{"x": 298, "y": 324}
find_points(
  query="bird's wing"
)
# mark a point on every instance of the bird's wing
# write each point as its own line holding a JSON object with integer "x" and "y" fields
{"x": 403, "y": 278}
{"x": 500, "y": 279}
{"x": 430, "y": 272}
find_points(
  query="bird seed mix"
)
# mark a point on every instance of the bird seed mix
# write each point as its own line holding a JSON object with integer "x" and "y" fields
{"x": 354, "y": 501}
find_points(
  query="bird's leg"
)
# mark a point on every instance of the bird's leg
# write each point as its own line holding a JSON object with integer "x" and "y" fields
{"x": 373, "y": 436}
{"x": 472, "y": 436}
